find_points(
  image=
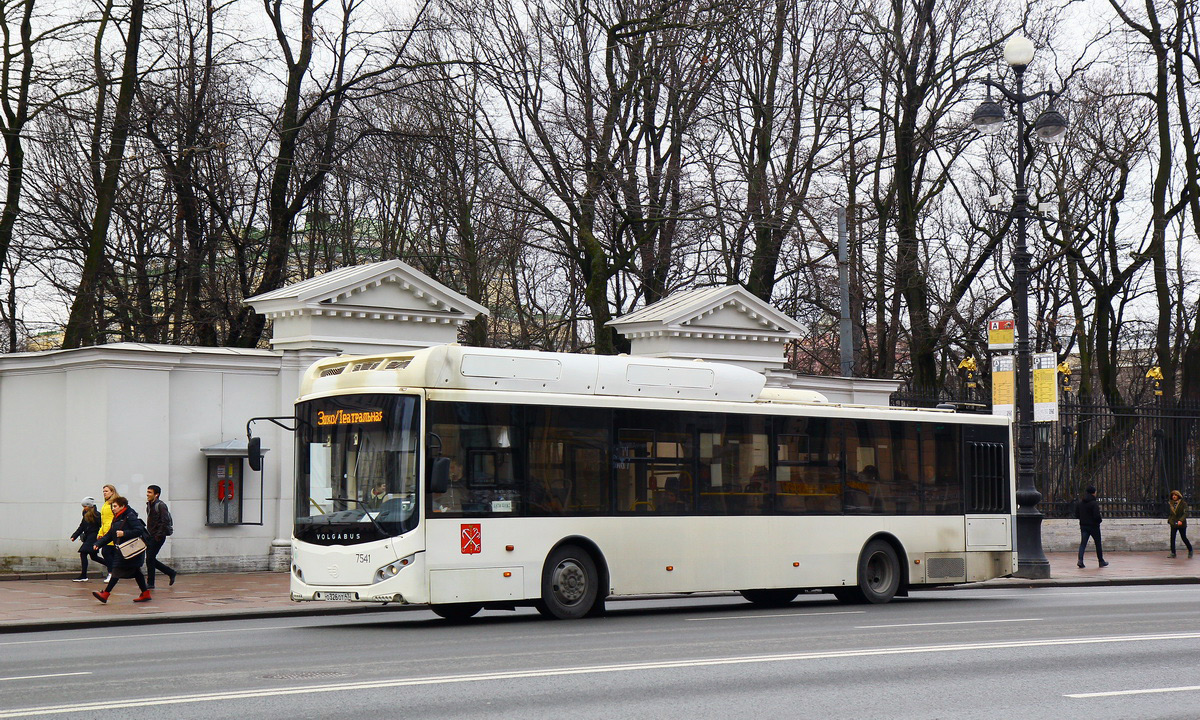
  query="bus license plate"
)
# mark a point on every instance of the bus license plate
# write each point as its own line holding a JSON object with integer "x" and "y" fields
{"x": 337, "y": 596}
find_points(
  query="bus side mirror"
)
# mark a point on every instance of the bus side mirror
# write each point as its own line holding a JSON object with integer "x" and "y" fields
{"x": 439, "y": 475}
{"x": 254, "y": 453}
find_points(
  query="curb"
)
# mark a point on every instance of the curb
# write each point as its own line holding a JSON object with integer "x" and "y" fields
{"x": 10, "y": 576}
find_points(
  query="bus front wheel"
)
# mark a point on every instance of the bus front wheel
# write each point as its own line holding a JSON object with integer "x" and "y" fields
{"x": 878, "y": 572}
{"x": 569, "y": 584}
{"x": 456, "y": 612}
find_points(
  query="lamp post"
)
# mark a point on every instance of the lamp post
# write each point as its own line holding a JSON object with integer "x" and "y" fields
{"x": 1050, "y": 126}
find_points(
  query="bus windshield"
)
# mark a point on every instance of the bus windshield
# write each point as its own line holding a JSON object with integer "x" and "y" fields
{"x": 356, "y": 468}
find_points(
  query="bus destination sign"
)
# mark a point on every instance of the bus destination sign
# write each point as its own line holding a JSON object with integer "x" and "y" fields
{"x": 346, "y": 417}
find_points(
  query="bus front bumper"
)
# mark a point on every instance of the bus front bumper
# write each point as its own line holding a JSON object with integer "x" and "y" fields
{"x": 406, "y": 588}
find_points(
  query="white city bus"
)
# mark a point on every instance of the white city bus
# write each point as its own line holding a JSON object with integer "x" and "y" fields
{"x": 469, "y": 478}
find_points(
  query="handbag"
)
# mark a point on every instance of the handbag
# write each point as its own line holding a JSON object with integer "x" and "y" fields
{"x": 132, "y": 548}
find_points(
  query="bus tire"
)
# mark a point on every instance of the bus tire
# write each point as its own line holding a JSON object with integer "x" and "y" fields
{"x": 770, "y": 598}
{"x": 570, "y": 584}
{"x": 456, "y": 612}
{"x": 878, "y": 572}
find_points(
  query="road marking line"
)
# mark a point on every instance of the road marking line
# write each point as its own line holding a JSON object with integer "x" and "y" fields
{"x": 1117, "y": 693}
{"x": 755, "y": 617}
{"x": 96, "y": 707}
{"x": 1119, "y": 591}
{"x": 36, "y": 677}
{"x": 948, "y": 622}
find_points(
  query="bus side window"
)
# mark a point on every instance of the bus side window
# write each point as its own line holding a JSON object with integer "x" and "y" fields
{"x": 567, "y": 461}
{"x": 940, "y": 470}
{"x": 808, "y": 474}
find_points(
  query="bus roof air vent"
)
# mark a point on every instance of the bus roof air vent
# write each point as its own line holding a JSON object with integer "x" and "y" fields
{"x": 333, "y": 371}
{"x": 359, "y": 367}
{"x": 397, "y": 364}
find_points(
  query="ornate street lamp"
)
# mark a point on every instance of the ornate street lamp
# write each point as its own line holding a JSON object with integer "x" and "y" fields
{"x": 1051, "y": 126}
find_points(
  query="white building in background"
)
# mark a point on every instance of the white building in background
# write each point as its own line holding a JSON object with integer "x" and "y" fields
{"x": 134, "y": 414}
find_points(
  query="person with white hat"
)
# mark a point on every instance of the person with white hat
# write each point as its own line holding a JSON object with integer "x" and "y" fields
{"x": 87, "y": 531}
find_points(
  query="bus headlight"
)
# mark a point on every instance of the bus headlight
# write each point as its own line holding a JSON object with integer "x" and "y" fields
{"x": 387, "y": 572}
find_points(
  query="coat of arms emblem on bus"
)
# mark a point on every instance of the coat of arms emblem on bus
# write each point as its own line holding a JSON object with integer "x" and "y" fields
{"x": 472, "y": 539}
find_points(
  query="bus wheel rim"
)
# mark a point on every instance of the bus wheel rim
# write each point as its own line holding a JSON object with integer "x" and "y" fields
{"x": 879, "y": 572}
{"x": 570, "y": 582}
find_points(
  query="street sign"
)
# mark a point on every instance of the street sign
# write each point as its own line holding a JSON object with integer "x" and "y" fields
{"x": 1001, "y": 335}
{"x": 1045, "y": 387}
{"x": 1003, "y": 382}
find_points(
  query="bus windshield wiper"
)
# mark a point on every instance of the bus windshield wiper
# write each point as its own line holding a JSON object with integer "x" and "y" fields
{"x": 366, "y": 512}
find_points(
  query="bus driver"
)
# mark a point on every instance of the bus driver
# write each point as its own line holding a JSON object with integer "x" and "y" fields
{"x": 452, "y": 499}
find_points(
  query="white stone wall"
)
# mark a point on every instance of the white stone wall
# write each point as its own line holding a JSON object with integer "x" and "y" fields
{"x": 1118, "y": 534}
{"x": 71, "y": 421}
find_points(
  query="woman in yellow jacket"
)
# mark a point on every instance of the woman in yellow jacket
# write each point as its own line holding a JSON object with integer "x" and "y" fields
{"x": 109, "y": 551}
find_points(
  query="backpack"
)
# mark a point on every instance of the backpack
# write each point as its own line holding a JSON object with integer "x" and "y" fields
{"x": 164, "y": 515}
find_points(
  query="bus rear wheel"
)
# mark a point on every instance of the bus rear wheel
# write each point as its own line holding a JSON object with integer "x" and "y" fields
{"x": 878, "y": 572}
{"x": 456, "y": 612}
{"x": 570, "y": 584}
{"x": 770, "y": 598}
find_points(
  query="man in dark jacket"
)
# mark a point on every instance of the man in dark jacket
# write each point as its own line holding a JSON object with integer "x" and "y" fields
{"x": 1089, "y": 525}
{"x": 158, "y": 527}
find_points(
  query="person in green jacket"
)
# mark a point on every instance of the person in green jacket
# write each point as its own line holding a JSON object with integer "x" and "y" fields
{"x": 1177, "y": 519}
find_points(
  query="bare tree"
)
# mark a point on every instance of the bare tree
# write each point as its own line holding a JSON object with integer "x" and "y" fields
{"x": 776, "y": 107}
{"x": 925, "y": 57}
{"x": 82, "y": 325}
{"x": 599, "y": 98}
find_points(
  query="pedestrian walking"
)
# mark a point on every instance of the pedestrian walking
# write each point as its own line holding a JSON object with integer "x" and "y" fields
{"x": 158, "y": 528}
{"x": 1177, "y": 519}
{"x": 108, "y": 552}
{"x": 1089, "y": 525}
{"x": 86, "y": 533}
{"x": 126, "y": 526}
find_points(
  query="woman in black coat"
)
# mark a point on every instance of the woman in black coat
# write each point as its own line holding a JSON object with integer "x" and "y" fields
{"x": 88, "y": 528}
{"x": 126, "y": 525}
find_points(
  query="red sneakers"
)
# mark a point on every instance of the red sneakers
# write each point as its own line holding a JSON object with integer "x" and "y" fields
{"x": 144, "y": 597}
{"x": 101, "y": 596}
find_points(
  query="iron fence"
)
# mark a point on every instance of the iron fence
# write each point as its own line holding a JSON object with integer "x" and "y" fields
{"x": 1135, "y": 455}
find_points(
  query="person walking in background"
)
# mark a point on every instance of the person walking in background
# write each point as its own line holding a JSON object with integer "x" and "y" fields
{"x": 126, "y": 525}
{"x": 1177, "y": 519}
{"x": 158, "y": 529}
{"x": 1089, "y": 525}
{"x": 108, "y": 552}
{"x": 89, "y": 529}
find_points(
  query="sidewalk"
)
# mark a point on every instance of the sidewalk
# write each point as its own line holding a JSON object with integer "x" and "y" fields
{"x": 53, "y": 602}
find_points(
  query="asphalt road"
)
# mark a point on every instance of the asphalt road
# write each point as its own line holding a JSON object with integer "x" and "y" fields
{"x": 1122, "y": 652}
